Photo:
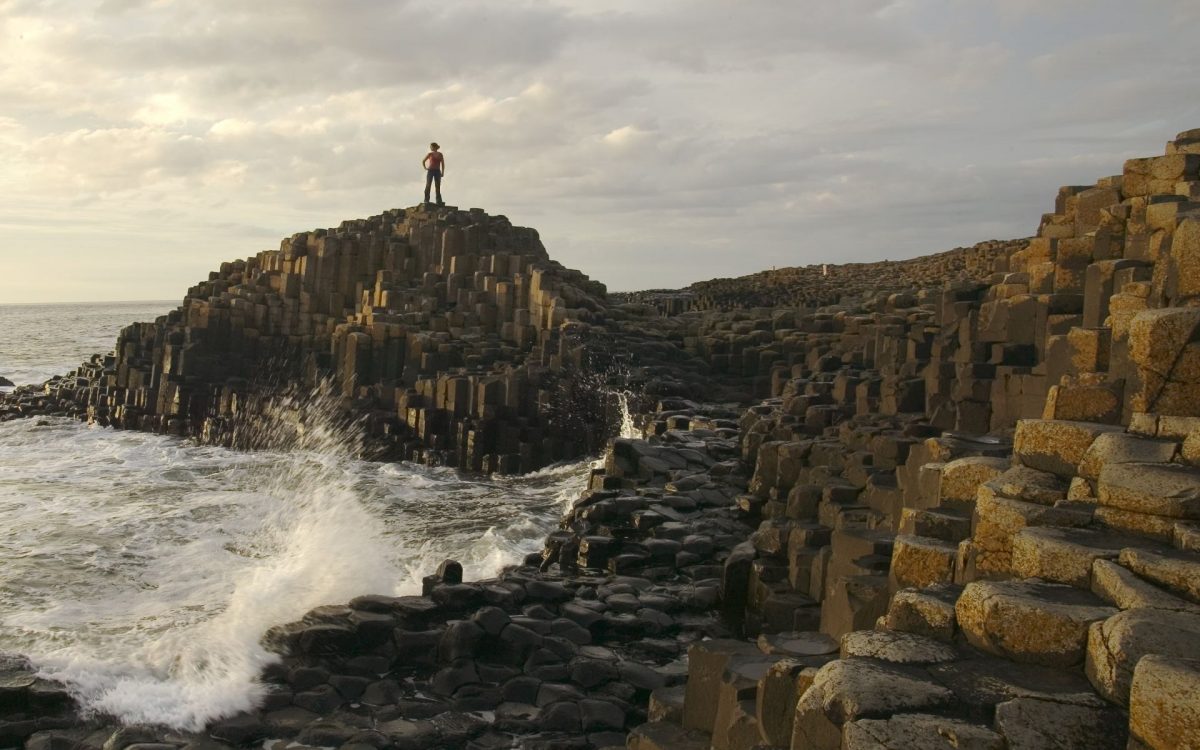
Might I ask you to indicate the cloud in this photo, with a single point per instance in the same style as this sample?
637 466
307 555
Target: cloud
650 143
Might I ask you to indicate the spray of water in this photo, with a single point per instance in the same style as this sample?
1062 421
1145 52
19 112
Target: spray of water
629 428
314 543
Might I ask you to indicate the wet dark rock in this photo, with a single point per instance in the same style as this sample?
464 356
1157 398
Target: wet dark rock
416 648
460 640
409 735
491 619
457 727
327 639
288 722
325 733
240 729
306 678
547 591
126 736
68 739
373 629
381 693
560 717
640 676
367 738
367 665
598 715
349 687
448 680
590 673
460 597
522 690
320 699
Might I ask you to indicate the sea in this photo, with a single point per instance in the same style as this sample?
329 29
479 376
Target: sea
142 570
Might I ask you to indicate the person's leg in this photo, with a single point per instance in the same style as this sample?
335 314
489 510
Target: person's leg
437 181
428 182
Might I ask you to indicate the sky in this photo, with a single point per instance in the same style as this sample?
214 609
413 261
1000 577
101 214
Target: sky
651 143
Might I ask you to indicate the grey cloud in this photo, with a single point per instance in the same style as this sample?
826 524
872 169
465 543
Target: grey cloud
651 143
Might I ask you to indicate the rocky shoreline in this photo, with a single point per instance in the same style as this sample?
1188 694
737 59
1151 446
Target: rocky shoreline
965 513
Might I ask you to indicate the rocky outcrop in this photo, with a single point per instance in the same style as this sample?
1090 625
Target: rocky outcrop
450 334
985 495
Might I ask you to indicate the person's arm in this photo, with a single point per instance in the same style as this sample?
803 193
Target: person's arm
425 162
443 165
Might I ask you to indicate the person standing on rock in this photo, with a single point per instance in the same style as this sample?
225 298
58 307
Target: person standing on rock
435 166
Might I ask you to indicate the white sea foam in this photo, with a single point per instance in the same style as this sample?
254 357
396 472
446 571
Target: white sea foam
142 571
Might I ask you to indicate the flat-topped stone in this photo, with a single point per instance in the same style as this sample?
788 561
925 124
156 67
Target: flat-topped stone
797 644
961 477
1120 587
1036 724
1000 518
1065 555
850 689
1056 446
1124 448
928 611
1031 485
920 561
896 647
1177 570
1029 621
1168 490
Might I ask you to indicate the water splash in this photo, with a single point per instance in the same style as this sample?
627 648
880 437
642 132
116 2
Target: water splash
629 427
314 542
142 571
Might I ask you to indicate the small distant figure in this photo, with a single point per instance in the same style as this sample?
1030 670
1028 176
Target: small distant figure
434 164
824 269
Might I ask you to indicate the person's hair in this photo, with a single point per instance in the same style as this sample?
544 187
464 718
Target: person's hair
434 146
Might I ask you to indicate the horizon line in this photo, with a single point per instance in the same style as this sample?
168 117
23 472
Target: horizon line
93 302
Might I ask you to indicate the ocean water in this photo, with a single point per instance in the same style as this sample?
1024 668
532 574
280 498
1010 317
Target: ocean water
142 570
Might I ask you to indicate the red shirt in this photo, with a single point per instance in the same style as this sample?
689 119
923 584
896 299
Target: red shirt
434 160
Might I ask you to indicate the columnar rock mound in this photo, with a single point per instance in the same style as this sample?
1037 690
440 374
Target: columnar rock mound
443 328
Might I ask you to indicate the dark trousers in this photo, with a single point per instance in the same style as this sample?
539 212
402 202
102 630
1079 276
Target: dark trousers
433 177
